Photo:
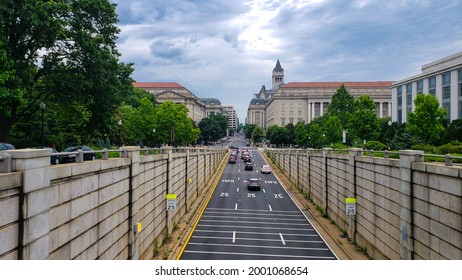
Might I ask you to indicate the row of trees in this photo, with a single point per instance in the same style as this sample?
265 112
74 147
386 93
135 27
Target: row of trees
357 118
63 53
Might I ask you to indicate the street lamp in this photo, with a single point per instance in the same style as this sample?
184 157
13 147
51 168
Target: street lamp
389 134
120 135
42 108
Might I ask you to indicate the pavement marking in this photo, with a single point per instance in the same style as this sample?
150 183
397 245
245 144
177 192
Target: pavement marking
260 239
252 210
234 236
252 222
271 209
282 239
252 218
235 207
238 178
264 255
264 191
256 233
237 189
258 246
271 228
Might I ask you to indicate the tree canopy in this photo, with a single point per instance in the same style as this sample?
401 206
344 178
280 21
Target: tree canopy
426 122
62 53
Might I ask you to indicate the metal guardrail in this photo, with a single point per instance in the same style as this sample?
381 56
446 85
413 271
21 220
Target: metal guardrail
448 159
5 163
5 158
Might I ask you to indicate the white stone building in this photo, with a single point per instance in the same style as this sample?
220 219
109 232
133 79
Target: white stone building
303 101
441 78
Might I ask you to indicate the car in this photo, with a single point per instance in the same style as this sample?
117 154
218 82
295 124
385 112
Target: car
248 166
232 159
54 159
6 146
247 158
253 184
71 158
247 144
265 169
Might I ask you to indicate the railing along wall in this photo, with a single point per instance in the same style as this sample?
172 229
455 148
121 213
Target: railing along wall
112 208
407 208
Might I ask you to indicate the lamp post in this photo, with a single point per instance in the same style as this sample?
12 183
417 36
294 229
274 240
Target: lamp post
42 108
154 137
389 134
120 135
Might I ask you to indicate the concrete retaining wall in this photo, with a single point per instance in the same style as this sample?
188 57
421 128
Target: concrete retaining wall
103 209
406 208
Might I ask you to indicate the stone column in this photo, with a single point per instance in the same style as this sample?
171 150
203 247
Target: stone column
406 221
35 218
133 152
325 154
351 189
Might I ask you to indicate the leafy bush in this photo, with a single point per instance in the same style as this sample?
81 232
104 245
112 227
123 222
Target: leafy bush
428 148
375 145
454 147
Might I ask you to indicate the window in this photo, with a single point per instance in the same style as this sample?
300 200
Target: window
460 93
299 120
283 105
400 103
291 120
299 112
317 109
299 105
283 121
447 94
291 112
408 98
283 112
291 105
432 85
420 87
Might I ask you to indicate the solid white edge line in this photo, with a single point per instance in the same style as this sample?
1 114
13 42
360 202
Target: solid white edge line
315 229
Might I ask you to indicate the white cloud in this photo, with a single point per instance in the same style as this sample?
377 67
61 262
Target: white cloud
227 49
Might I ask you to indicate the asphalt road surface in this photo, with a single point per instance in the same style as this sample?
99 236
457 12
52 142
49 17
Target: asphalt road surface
238 224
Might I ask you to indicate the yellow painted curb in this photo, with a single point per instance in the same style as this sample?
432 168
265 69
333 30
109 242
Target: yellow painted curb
202 211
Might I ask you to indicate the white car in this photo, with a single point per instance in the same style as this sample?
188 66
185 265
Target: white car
265 169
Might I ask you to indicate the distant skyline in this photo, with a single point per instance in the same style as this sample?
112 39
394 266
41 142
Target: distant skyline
228 49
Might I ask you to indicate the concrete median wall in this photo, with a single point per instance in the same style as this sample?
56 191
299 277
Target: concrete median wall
405 209
103 209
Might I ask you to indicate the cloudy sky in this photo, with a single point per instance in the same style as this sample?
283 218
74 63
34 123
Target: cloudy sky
227 49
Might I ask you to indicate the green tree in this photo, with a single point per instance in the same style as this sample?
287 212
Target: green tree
342 105
213 127
62 52
301 134
317 138
332 129
291 136
248 129
426 122
257 135
364 123
277 135
454 131
173 125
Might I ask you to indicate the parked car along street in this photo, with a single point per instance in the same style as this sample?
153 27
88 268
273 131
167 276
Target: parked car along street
6 146
72 158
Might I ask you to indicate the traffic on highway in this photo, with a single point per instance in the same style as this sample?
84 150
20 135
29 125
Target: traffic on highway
251 216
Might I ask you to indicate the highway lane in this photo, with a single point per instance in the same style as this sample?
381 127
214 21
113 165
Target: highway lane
240 224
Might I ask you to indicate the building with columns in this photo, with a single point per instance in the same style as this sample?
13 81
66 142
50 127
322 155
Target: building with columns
303 101
441 78
170 91
256 113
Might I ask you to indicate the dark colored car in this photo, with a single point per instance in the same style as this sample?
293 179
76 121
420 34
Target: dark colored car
54 159
248 166
247 158
232 159
253 184
72 158
6 146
